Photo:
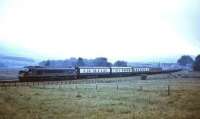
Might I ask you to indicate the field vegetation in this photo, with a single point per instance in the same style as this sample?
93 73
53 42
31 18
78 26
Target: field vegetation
170 97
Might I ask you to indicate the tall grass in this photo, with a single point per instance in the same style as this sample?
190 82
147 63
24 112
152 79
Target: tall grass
128 100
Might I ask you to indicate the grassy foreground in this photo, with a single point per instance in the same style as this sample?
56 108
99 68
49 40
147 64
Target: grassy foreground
126 101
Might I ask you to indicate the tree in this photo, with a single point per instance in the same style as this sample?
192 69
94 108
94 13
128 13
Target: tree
120 63
185 60
109 64
196 64
80 62
47 63
101 61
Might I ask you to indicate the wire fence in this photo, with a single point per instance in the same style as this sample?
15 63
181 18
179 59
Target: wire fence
135 80
118 84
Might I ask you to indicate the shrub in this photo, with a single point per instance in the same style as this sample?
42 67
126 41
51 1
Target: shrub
196 65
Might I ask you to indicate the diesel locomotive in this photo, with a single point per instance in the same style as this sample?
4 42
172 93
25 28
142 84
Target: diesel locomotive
37 73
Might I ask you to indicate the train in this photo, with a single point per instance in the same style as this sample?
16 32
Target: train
38 73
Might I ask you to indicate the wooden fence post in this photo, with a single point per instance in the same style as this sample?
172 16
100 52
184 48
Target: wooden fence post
168 90
44 84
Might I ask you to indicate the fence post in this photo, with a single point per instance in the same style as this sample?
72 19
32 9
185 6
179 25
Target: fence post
149 100
43 84
117 85
168 90
141 88
96 87
59 85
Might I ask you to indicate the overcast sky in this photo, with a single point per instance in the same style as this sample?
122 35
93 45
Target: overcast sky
133 30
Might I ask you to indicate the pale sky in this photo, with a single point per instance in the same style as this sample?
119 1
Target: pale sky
132 30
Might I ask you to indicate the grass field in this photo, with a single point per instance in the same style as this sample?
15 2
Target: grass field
176 98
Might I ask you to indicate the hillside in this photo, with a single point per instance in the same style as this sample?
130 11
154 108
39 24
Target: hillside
15 62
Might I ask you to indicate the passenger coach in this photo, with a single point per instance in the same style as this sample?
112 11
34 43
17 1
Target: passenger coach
121 71
88 72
